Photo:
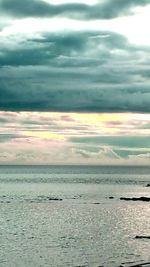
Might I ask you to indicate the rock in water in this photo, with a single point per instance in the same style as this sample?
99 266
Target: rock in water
142 236
146 199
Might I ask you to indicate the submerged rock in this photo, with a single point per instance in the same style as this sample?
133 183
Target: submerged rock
40 199
48 198
146 199
111 197
141 264
54 198
142 236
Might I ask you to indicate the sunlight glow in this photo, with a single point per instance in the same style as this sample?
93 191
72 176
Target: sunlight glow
45 135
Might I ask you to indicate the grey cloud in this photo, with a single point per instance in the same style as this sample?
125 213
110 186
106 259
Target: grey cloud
82 153
64 49
39 52
115 142
102 10
103 152
37 8
78 99
143 155
75 72
145 125
5 137
133 154
3 120
73 50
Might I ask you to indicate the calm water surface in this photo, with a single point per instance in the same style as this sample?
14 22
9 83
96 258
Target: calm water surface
85 228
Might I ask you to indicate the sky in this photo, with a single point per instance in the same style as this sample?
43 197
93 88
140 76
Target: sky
74 82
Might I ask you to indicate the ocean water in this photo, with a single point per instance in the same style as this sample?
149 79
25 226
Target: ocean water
62 216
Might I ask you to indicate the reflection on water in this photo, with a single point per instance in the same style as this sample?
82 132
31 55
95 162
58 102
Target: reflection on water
59 224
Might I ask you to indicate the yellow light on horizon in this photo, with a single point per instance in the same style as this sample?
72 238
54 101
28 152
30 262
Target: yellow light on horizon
45 135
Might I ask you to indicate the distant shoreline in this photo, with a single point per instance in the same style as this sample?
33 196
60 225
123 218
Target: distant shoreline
78 165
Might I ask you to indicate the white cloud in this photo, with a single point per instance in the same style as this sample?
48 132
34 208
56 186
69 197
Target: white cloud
134 27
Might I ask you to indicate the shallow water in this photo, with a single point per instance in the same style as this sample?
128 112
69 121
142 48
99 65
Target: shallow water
85 228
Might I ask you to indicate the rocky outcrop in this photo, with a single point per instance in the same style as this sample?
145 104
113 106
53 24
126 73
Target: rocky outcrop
146 199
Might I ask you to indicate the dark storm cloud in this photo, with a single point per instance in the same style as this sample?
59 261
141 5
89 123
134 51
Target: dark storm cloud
43 51
66 49
92 100
102 10
78 71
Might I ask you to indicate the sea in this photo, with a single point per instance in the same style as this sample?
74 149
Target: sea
72 216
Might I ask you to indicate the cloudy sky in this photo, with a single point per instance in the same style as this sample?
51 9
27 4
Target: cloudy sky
74 82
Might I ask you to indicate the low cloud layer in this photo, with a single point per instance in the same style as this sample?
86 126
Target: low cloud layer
69 138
